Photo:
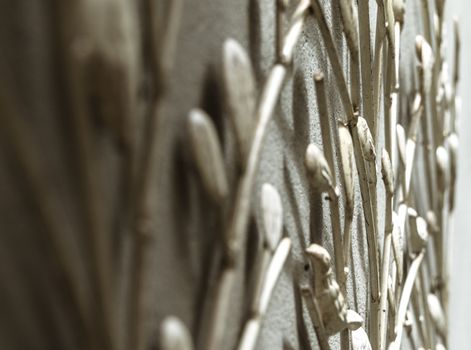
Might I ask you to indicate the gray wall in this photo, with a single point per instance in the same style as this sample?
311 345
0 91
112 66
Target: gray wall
294 126
205 25
179 278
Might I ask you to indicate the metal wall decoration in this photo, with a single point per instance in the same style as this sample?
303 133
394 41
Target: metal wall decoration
402 289
103 72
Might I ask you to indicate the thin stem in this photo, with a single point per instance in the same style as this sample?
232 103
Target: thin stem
330 156
316 318
223 298
385 272
237 226
350 28
252 327
426 18
418 311
366 64
389 120
378 61
169 37
405 298
273 273
163 47
397 53
423 296
266 257
428 167
334 60
280 8
384 290
268 101
371 234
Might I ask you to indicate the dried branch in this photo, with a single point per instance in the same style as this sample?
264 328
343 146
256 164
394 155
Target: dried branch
334 60
388 224
316 318
366 71
237 225
252 327
334 205
365 162
404 302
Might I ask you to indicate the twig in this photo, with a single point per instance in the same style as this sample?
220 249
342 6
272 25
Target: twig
423 297
334 60
163 46
350 28
384 288
280 8
388 180
252 327
366 64
365 162
330 156
397 248
390 23
426 18
316 318
378 62
264 112
404 302
273 273
219 310
170 36
237 225
360 162
442 165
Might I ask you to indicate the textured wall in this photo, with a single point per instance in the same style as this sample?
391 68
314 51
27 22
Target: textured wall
181 256
295 125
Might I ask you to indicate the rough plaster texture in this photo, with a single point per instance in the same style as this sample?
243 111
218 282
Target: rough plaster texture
296 124
179 275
